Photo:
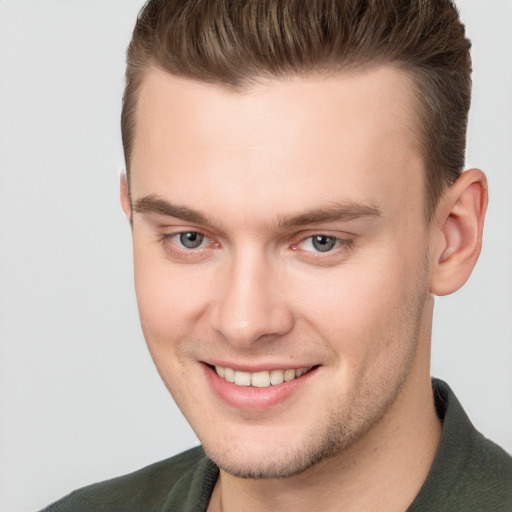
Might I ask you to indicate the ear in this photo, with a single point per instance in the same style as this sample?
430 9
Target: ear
124 194
459 225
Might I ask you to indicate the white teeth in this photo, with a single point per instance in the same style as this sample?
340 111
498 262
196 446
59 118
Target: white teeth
276 377
242 378
229 374
289 375
259 379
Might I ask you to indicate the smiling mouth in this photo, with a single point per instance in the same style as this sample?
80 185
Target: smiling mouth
261 379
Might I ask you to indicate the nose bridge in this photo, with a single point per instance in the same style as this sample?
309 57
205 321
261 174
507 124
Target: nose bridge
249 305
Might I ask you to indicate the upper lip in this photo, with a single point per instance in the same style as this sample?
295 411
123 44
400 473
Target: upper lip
260 367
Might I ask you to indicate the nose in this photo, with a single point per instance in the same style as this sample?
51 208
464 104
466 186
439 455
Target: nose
251 304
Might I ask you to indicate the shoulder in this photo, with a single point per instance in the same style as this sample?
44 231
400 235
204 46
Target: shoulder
488 476
485 463
469 472
146 489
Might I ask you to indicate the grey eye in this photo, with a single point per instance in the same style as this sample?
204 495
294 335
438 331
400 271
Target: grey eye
191 240
323 243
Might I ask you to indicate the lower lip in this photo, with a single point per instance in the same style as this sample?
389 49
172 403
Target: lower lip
250 398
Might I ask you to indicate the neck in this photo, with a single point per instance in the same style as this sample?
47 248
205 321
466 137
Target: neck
383 471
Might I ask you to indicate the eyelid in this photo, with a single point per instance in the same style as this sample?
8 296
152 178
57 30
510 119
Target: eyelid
174 233
344 243
168 230
305 235
174 250
338 240
176 238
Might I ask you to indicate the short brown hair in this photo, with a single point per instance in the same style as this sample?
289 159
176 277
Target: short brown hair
237 42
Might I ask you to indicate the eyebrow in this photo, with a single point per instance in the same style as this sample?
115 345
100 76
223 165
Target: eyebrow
333 212
153 204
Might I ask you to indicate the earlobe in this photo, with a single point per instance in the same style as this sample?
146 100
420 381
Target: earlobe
459 226
124 194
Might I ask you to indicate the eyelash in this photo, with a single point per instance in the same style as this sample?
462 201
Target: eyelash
166 241
340 245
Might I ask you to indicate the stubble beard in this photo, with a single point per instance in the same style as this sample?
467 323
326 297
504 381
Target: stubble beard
341 431
334 439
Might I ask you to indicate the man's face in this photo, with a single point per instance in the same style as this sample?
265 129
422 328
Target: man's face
277 230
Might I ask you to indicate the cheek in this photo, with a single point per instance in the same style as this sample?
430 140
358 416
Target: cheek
170 297
366 305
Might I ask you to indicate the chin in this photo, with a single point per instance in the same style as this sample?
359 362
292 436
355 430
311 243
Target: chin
258 467
253 450
273 459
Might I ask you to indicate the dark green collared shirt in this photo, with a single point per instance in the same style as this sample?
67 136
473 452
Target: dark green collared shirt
469 474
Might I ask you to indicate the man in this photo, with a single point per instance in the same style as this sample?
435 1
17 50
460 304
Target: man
296 198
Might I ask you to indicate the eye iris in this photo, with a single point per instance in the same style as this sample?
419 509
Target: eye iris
323 243
191 240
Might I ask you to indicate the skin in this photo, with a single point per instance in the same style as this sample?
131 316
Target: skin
252 166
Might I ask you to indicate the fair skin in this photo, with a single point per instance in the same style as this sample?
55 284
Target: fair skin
283 228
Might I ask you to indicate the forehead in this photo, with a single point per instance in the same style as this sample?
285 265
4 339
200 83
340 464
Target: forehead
348 136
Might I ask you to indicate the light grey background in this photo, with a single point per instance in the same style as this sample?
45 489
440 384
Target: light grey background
79 398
